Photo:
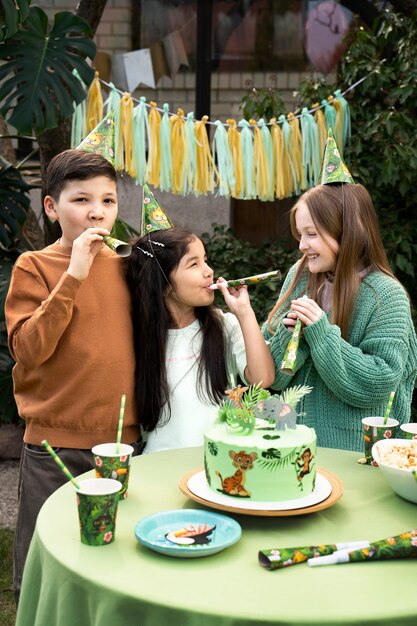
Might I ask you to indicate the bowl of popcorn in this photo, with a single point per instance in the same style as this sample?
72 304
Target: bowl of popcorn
397 459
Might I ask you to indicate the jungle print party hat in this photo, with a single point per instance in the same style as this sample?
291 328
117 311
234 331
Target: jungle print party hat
101 139
334 169
153 217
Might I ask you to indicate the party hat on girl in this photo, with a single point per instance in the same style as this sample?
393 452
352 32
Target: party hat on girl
334 169
153 217
101 139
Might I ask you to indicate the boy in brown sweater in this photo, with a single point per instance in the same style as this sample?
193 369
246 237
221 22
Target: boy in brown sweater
70 333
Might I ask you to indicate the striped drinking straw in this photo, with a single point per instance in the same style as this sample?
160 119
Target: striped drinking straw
60 463
120 427
387 412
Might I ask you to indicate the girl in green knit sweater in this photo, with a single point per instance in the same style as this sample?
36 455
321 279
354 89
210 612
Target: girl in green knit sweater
358 342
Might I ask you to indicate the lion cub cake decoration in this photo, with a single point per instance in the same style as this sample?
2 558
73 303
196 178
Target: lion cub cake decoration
256 449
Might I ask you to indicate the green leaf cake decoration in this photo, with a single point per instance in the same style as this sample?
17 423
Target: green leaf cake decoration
250 407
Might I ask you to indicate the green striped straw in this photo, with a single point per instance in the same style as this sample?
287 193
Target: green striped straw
60 464
387 412
120 427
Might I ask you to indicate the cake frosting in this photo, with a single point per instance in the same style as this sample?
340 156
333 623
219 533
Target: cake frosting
263 462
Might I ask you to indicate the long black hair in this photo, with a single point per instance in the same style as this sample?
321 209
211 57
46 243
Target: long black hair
148 270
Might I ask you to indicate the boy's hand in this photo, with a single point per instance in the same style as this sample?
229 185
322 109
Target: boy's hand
236 298
84 249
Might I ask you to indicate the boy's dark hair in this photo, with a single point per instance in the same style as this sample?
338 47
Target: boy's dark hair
75 165
147 274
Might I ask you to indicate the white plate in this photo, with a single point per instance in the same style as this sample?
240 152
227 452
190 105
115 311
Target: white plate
197 484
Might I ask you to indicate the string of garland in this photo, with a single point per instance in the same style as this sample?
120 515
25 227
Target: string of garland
255 159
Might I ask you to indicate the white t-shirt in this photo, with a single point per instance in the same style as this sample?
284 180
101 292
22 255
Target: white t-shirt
191 415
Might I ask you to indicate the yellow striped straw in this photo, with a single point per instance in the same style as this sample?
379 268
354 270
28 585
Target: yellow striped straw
120 427
60 463
387 412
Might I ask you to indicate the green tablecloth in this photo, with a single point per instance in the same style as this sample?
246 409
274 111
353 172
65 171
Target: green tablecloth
67 583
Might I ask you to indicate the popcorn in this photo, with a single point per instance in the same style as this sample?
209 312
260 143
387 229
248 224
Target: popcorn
402 457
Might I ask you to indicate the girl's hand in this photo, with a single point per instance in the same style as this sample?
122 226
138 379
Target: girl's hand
236 298
289 321
307 310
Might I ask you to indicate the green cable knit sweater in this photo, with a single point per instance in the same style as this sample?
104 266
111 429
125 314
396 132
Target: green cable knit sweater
353 379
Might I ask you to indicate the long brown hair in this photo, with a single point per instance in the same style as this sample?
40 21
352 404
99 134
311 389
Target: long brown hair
148 271
346 213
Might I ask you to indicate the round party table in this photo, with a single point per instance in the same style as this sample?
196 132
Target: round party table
67 583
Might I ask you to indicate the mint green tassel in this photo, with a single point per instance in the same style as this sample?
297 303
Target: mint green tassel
329 115
267 142
165 174
140 128
346 122
221 151
310 149
246 140
78 124
113 104
286 133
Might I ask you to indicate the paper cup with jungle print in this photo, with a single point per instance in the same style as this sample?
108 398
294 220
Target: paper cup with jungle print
409 431
111 462
375 430
97 502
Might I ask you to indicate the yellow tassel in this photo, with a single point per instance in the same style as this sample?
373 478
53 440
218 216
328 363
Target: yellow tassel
94 113
260 160
283 180
204 180
321 126
296 150
126 119
154 156
233 138
181 174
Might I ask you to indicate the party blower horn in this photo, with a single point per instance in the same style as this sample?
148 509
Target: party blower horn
121 248
249 280
289 361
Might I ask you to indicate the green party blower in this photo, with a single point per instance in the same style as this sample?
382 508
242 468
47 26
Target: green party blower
119 247
402 546
249 280
120 427
60 463
279 558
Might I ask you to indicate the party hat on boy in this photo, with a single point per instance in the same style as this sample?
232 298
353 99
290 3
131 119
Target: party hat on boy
333 169
153 217
101 139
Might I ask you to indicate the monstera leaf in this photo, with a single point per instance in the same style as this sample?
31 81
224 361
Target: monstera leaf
38 87
13 12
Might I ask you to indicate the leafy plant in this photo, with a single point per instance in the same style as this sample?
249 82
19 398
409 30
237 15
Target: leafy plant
14 12
38 87
266 103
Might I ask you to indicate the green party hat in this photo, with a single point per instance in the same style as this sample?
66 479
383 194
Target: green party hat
334 169
153 217
101 139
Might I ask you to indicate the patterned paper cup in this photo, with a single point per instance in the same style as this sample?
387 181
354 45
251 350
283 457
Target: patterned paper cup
97 502
374 430
112 464
409 431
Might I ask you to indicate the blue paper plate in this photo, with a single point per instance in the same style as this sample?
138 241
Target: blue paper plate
187 533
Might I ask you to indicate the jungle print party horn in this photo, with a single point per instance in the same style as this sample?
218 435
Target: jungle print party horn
119 247
250 280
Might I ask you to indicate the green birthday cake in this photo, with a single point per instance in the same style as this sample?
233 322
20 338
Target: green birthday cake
256 450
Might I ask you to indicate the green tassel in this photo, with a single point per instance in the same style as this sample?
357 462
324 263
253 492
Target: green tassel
221 153
246 139
192 151
78 124
286 132
140 139
329 114
310 148
113 104
346 122
165 175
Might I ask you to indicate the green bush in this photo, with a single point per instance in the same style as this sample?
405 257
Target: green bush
233 258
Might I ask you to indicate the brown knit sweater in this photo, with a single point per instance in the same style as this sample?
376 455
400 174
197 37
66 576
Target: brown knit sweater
73 346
